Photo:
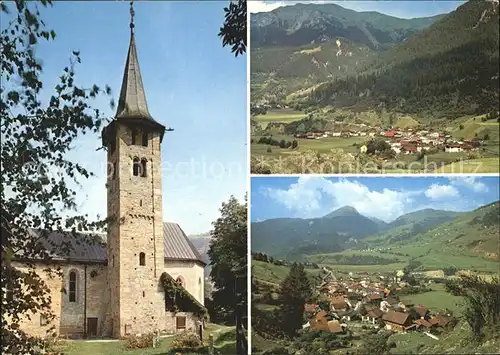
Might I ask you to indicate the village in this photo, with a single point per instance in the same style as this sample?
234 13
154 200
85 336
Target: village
404 141
346 305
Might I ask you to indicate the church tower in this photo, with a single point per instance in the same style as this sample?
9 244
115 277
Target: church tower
135 242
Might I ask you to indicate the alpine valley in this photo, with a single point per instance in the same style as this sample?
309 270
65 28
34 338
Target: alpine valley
344 237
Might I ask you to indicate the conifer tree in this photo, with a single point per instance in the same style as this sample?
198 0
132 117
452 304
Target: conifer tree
295 291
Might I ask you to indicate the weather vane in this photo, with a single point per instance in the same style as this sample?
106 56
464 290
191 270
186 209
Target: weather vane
132 13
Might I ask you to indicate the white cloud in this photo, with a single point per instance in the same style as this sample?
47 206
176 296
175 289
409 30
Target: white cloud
438 192
314 197
302 197
469 182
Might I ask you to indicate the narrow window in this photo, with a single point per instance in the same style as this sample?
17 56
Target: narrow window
143 294
145 139
72 286
134 136
136 167
142 259
180 322
43 320
140 203
144 164
114 170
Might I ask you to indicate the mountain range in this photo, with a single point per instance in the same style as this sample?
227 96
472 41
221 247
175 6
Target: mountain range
303 24
346 228
320 55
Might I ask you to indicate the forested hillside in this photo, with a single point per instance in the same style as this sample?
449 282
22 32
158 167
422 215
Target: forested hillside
450 67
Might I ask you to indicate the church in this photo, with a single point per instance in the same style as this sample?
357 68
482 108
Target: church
144 275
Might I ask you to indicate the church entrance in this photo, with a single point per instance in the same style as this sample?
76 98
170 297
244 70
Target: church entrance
91 327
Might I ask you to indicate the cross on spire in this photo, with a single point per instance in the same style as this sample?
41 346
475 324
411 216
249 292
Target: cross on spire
132 14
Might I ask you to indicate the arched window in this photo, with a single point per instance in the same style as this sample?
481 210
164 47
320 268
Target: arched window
180 280
114 170
72 286
145 139
142 259
144 164
134 136
136 166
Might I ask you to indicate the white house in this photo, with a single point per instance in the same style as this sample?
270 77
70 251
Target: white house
453 148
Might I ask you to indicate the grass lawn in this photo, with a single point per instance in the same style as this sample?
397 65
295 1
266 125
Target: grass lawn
224 337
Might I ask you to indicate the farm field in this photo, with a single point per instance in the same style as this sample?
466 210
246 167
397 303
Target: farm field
437 299
366 268
430 256
280 116
323 145
436 163
469 127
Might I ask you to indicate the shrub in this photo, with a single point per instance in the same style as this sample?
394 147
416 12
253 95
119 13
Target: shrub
186 341
139 341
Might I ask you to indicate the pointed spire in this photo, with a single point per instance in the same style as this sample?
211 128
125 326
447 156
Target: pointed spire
132 102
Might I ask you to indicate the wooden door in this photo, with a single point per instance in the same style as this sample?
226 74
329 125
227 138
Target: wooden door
91 327
180 322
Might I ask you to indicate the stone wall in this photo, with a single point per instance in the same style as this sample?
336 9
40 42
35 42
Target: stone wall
69 316
170 325
192 274
137 232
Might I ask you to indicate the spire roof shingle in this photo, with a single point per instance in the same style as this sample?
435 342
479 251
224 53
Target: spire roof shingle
132 102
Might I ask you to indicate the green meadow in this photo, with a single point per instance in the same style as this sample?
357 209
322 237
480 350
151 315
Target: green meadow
279 116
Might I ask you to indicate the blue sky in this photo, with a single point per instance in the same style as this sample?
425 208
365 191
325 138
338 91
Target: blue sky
192 85
402 9
385 198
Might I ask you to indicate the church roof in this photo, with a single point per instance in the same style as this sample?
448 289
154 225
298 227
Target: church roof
177 245
132 102
91 248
